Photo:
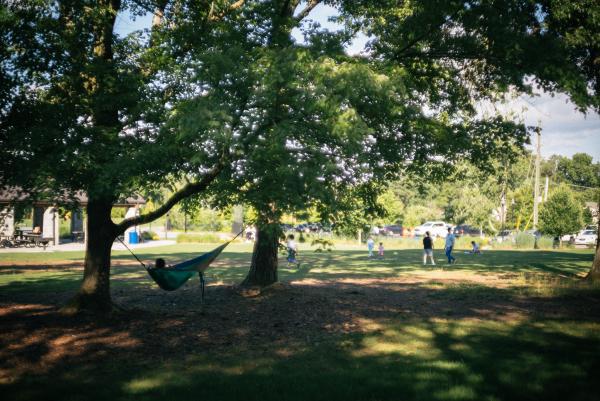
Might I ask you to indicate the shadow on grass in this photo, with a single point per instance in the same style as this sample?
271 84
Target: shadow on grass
416 359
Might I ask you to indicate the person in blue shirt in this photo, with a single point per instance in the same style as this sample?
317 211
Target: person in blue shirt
370 246
450 240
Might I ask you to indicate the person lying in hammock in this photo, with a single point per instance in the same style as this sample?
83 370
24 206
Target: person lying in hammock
160 264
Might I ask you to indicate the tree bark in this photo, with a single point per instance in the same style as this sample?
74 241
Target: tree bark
263 268
594 273
94 293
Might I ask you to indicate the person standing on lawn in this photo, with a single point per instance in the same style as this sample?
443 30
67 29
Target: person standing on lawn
450 240
292 249
428 249
370 246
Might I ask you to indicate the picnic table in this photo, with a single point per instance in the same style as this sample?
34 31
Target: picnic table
23 238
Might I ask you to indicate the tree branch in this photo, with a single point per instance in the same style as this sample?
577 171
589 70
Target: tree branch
238 4
159 13
431 30
188 190
309 7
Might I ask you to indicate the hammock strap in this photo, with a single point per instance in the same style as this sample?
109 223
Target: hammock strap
130 251
202 283
201 277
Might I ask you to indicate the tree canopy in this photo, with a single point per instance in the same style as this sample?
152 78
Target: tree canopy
561 214
218 98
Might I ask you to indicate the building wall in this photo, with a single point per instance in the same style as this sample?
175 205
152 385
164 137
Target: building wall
7 221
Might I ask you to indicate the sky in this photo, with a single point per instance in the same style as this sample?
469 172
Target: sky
565 131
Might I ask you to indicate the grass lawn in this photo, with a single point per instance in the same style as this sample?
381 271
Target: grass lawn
505 325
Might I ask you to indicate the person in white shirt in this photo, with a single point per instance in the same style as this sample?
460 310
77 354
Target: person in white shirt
450 239
370 246
292 250
475 250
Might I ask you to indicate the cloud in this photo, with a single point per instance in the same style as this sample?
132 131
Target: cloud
565 130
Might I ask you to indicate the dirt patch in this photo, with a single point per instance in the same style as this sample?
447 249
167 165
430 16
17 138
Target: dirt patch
34 337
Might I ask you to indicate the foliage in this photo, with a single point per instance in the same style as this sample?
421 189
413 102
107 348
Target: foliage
201 238
524 240
322 244
587 216
418 214
469 206
150 236
220 94
394 208
520 209
561 214
580 170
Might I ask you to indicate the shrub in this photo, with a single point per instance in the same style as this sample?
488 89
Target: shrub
524 241
322 245
546 242
201 238
150 236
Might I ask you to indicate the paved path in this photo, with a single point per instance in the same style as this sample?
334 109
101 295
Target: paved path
79 246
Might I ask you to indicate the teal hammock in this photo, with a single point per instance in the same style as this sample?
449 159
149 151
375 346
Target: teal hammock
172 277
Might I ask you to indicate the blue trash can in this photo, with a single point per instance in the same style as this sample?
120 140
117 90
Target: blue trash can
133 237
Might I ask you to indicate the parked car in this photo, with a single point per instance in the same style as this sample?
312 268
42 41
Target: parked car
465 229
302 228
308 228
315 227
533 233
376 230
505 235
393 230
568 238
286 227
587 237
435 228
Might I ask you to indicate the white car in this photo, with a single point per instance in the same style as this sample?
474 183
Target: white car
435 228
586 237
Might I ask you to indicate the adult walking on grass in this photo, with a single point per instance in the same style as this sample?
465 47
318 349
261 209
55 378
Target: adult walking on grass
450 239
428 249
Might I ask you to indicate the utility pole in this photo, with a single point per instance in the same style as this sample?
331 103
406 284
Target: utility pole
546 190
536 189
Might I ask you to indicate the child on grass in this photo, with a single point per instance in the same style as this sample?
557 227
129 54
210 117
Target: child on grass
370 246
292 249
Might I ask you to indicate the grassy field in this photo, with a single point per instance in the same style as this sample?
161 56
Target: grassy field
505 325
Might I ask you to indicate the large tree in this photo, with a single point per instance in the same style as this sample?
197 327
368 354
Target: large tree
84 110
219 94
335 127
561 214
579 170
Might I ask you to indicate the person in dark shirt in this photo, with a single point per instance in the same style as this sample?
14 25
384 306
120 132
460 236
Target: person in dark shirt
428 249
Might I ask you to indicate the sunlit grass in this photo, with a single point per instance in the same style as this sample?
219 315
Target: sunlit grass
541 273
400 356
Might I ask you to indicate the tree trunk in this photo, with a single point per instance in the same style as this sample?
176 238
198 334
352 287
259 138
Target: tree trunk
94 293
594 273
263 269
